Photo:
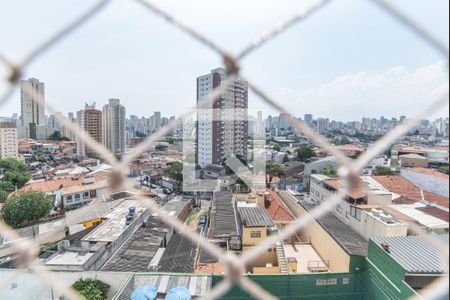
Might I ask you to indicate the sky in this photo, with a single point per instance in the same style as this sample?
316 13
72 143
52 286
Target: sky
347 61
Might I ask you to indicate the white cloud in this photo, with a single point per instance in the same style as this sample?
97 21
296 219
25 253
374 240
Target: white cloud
390 93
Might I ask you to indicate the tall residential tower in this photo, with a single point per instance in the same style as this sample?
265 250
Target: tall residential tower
89 119
32 91
222 127
114 127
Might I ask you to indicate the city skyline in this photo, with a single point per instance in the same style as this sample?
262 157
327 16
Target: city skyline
379 86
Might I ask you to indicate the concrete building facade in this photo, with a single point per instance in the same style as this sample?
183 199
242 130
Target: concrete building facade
89 119
8 140
32 91
222 128
114 126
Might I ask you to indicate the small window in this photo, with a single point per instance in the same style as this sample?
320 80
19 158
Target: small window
255 234
86 195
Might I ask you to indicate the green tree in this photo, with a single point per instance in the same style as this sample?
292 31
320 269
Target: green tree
305 152
13 164
175 172
18 179
382 171
15 171
3 196
343 141
92 289
444 170
57 136
7 187
273 170
170 140
26 208
161 147
329 171
276 147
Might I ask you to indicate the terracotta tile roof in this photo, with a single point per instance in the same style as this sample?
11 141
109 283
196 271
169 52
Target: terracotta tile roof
337 184
435 212
277 210
351 148
59 184
429 172
403 187
214 268
437 199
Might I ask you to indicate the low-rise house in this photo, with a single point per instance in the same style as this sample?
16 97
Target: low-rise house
256 227
71 191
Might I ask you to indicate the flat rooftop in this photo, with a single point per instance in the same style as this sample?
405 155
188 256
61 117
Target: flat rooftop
175 206
115 225
306 256
71 258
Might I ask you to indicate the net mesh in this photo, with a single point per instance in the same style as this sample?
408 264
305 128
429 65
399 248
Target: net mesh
349 170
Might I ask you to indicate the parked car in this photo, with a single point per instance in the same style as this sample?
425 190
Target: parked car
167 191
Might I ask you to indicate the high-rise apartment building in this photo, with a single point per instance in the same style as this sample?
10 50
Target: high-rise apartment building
8 140
222 128
260 129
308 119
32 91
90 119
114 127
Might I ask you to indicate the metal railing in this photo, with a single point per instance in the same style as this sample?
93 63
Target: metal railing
349 170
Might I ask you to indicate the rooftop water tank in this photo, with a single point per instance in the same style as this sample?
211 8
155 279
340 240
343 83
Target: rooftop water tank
145 292
179 293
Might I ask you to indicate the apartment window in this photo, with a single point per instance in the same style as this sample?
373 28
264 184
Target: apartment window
355 213
255 234
77 197
86 195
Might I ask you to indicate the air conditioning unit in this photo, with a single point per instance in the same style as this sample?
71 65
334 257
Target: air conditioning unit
386 218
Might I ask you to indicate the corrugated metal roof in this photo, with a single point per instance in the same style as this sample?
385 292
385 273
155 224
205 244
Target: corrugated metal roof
255 217
198 285
223 218
417 255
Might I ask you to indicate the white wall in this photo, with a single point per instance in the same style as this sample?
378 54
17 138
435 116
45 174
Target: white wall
427 182
28 286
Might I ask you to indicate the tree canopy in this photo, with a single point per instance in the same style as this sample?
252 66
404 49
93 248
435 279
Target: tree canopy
175 172
273 170
25 208
161 147
15 172
92 289
276 147
382 171
444 170
305 152
329 171
57 136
